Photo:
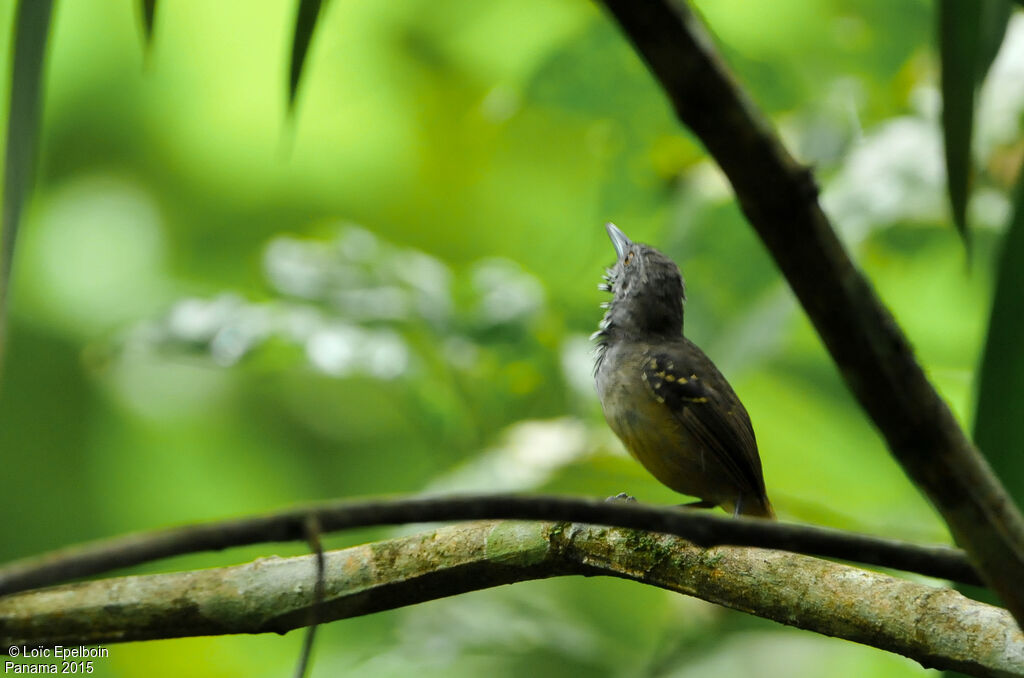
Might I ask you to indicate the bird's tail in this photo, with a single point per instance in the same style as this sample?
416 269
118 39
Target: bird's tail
757 506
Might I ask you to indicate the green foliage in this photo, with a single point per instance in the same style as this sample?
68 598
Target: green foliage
32 25
148 9
305 21
1001 375
970 34
205 326
959 33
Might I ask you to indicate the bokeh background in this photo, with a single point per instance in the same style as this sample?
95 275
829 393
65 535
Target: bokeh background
218 309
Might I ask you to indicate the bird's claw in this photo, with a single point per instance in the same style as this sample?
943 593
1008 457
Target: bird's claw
702 504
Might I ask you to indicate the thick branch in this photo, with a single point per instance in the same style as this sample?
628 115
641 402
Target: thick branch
697 526
779 198
937 627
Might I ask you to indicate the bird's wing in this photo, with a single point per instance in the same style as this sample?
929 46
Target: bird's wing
714 416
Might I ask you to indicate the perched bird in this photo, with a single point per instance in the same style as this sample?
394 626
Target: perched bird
665 399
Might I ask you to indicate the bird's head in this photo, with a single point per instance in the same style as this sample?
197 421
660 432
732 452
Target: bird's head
647 288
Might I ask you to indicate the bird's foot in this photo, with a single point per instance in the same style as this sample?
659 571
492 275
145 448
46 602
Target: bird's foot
703 503
622 496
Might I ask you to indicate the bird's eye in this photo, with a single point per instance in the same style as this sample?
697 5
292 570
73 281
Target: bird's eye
629 259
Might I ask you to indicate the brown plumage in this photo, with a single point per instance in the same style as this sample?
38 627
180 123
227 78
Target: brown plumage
663 397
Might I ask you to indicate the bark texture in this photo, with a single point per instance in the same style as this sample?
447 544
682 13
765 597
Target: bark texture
938 627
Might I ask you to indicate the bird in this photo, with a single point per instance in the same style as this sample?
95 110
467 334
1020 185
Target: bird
663 397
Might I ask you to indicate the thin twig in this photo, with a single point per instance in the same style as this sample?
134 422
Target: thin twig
315 612
289 525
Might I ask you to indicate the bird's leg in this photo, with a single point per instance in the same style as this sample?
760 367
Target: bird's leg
739 505
622 496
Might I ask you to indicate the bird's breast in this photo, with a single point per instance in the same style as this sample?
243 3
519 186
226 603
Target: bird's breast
646 427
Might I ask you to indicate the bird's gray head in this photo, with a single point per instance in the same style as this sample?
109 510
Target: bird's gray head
647 289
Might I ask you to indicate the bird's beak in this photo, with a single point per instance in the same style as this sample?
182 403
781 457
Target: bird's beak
618 238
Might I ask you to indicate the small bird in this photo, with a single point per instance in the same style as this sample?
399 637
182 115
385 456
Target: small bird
665 399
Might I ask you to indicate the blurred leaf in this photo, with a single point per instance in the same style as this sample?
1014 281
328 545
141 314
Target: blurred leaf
148 19
970 33
995 15
1000 383
31 26
305 23
997 428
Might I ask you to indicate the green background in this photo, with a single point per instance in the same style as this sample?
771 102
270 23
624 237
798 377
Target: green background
219 310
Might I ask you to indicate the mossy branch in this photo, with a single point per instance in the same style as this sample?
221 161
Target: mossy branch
937 627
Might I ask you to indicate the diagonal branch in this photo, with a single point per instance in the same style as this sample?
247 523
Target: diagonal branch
937 627
779 199
702 528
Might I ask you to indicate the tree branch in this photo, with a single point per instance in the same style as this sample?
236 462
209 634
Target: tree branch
779 198
697 526
937 627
